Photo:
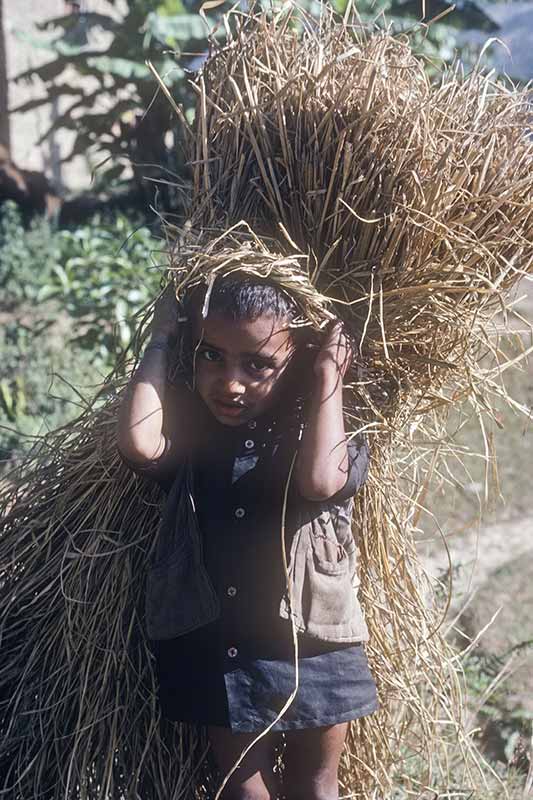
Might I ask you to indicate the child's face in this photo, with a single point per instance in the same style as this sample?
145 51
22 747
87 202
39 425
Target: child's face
239 365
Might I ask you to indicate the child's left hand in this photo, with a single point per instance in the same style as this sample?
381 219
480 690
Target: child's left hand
335 354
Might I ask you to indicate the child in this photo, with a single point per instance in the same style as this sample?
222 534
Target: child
218 610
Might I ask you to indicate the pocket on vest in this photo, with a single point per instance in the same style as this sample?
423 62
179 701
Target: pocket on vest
336 562
330 597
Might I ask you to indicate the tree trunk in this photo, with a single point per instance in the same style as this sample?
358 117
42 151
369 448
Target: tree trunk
4 117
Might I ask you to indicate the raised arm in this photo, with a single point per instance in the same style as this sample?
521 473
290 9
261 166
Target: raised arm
141 416
323 464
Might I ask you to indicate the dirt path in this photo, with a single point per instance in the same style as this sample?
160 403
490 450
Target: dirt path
479 552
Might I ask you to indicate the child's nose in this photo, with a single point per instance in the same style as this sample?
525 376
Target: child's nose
235 386
234 382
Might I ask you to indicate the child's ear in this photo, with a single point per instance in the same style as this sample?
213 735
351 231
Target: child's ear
301 373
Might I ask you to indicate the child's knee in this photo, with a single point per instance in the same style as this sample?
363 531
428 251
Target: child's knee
259 786
247 793
315 793
319 787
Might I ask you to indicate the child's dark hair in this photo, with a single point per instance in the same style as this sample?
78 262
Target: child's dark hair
243 296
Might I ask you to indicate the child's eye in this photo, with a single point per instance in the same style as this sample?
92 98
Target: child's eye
259 365
209 355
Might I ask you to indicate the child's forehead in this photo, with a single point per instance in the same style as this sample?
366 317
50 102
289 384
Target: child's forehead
266 333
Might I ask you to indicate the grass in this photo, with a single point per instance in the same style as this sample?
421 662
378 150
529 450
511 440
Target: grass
460 506
460 502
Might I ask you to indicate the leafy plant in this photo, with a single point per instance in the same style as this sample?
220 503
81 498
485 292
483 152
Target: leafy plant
106 272
27 256
67 310
98 274
505 728
40 381
114 86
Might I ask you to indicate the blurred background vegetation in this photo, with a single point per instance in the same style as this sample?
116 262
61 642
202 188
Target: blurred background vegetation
75 267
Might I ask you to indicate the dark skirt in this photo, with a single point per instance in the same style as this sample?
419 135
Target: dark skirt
197 684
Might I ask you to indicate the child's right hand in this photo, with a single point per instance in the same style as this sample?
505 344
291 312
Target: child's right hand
165 319
335 354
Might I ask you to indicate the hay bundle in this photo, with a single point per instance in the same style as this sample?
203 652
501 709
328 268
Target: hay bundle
329 163
408 204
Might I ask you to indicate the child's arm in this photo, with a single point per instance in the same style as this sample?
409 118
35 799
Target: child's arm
141 418
323 462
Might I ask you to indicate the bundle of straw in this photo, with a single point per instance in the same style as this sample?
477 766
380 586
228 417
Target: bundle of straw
329 162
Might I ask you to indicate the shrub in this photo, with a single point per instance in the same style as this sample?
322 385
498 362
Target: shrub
69 297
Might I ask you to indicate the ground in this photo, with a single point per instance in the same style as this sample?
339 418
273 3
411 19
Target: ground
491 555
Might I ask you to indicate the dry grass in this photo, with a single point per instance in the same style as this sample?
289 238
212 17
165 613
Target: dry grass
329 163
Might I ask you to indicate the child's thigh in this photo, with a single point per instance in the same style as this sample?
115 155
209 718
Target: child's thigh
255 778
311 760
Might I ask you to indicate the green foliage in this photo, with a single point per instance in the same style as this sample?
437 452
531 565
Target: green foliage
435 43
27 257
504 726
40 380
170 7
67 311
109 58
105 273
99 274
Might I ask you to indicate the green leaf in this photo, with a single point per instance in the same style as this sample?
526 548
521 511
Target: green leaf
20 395
7 400
176 29
46 293
63 277
122 67
169 8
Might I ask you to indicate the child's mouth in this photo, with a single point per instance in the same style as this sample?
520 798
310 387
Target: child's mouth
225 408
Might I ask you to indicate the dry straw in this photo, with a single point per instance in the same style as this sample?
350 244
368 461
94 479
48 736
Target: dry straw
327 160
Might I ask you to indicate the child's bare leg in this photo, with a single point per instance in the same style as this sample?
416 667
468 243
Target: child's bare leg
312 763
254 779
